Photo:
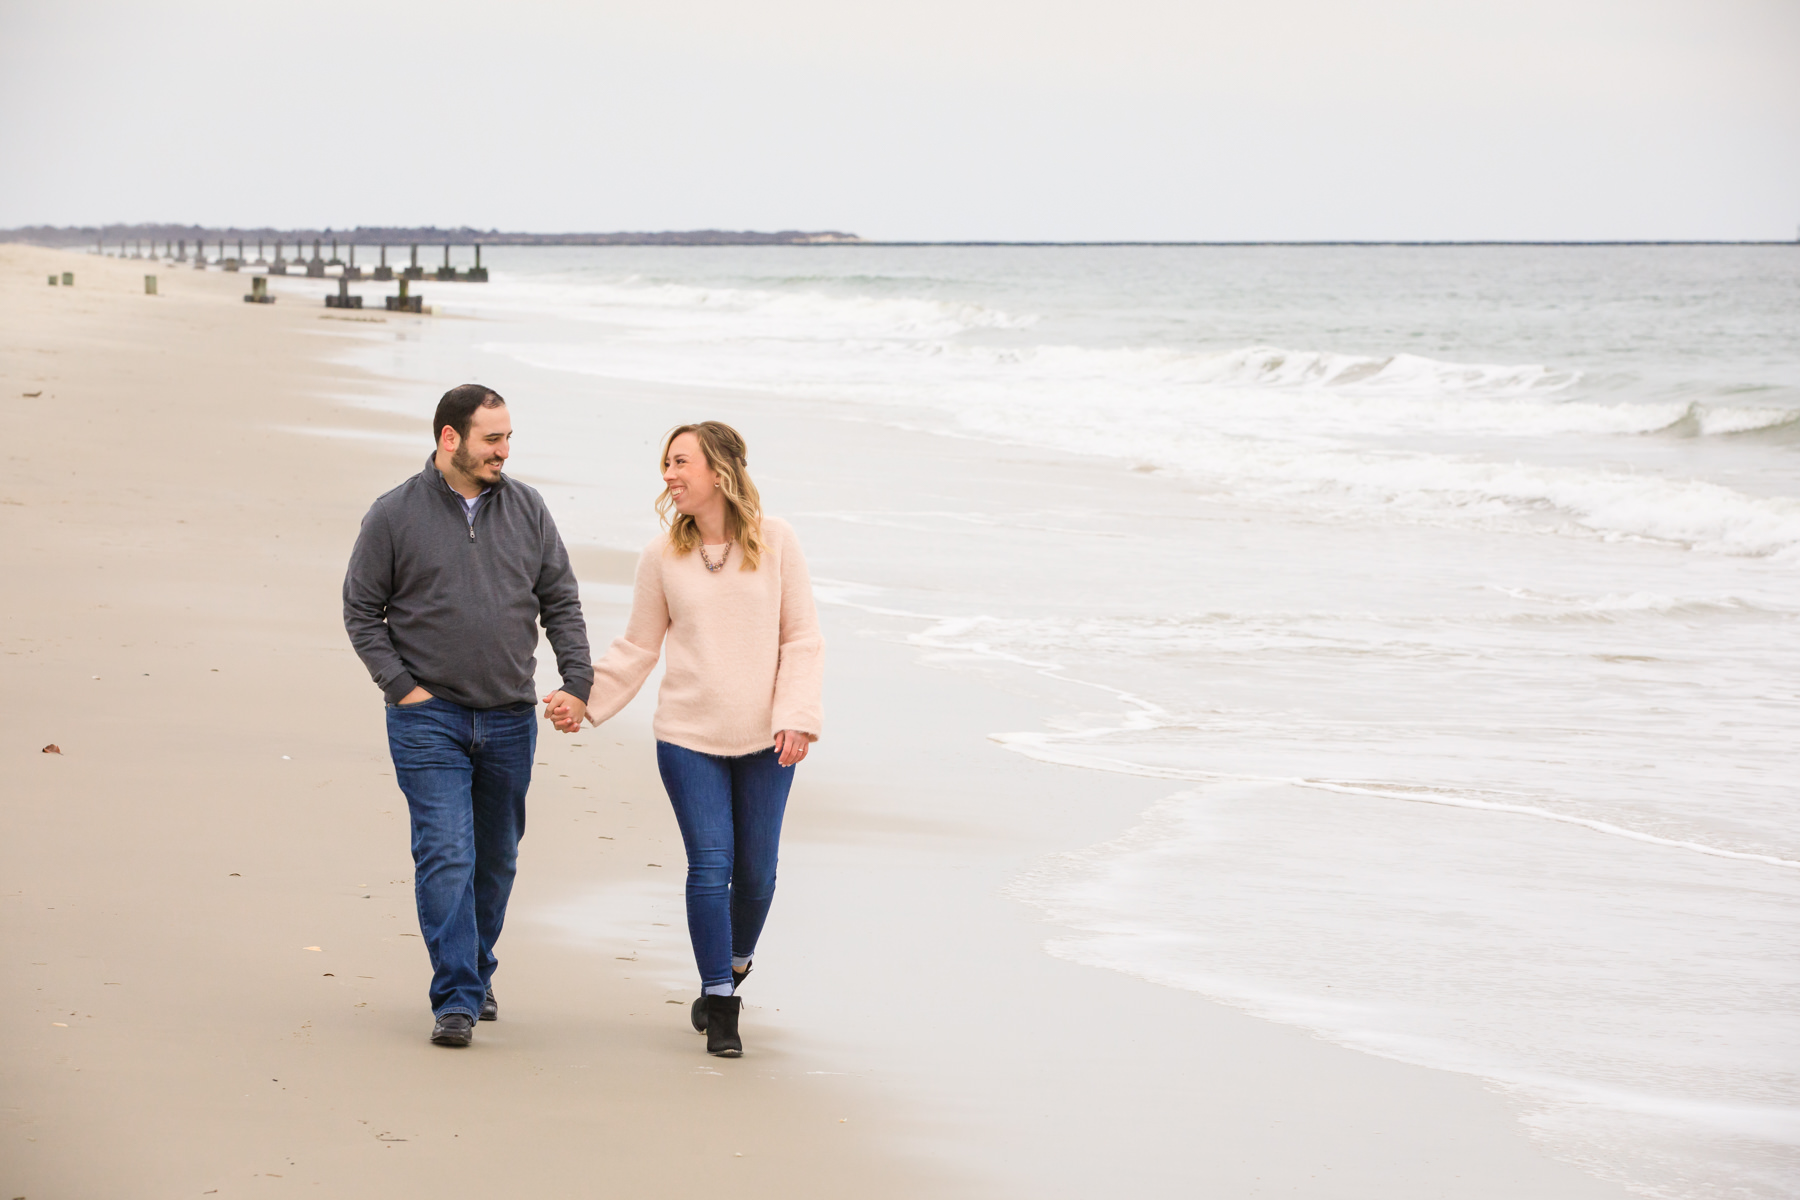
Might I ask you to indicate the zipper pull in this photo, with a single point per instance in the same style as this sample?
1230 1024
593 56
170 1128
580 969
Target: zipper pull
471 531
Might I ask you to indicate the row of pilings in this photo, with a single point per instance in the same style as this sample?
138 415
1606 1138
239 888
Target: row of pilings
175 251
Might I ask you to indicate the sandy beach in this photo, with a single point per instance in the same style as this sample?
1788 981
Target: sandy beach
214 979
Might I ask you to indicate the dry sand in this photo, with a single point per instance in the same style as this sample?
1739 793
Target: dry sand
213 979
223 801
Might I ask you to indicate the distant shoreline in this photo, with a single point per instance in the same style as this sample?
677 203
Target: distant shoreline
79 236
104 236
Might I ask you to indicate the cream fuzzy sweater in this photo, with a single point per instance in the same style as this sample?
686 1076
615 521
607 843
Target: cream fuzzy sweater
745 659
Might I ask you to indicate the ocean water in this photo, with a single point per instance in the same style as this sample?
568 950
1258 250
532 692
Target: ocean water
1455 592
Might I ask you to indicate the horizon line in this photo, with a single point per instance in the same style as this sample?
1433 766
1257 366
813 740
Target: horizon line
1358 242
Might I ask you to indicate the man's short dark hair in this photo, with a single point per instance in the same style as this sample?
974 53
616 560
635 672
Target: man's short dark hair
458 407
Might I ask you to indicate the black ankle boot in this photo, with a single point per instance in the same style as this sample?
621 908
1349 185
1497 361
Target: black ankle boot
721 1013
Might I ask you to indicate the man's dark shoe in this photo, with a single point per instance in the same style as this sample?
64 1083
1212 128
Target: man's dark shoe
722 1025
737 976
698 1014
490 1007
453 1029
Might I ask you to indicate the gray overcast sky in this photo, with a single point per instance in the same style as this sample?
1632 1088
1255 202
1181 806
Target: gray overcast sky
1059 119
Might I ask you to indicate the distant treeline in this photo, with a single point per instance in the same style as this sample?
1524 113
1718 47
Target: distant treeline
391 235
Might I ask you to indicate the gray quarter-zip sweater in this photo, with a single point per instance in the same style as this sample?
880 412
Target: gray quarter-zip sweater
448 600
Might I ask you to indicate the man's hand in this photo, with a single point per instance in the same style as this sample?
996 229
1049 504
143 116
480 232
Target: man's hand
564 711
792 746
417 696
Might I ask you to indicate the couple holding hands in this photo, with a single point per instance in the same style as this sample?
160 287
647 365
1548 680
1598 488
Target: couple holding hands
450 577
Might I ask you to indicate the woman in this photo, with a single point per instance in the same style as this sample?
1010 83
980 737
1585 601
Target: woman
726 590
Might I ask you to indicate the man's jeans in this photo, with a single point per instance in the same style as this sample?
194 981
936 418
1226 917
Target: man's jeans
729 810
464 772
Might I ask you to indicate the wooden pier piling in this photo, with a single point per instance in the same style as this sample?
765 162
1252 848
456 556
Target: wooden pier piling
259 291
343 299
149 285
384 272
404 302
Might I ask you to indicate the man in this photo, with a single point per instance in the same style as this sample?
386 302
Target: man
449 578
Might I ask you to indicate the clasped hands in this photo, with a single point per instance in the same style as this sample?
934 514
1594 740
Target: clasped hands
564 711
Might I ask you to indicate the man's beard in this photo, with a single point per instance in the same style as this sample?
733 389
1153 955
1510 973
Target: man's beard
469 464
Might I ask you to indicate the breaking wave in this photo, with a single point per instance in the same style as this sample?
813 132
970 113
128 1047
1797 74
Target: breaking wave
1776 425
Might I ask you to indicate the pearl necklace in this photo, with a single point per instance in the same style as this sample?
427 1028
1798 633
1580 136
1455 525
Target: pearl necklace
712 567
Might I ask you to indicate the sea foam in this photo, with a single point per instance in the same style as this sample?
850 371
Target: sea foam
1400 437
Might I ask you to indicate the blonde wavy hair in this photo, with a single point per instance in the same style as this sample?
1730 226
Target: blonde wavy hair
723 448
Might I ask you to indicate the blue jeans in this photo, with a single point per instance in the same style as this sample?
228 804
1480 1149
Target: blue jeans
729 810
464 772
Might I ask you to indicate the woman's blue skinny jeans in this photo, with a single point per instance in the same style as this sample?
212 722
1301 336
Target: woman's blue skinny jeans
729 810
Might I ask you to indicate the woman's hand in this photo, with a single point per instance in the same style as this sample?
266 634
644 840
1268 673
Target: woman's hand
792 746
